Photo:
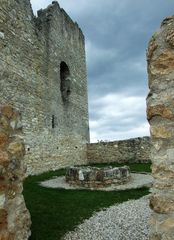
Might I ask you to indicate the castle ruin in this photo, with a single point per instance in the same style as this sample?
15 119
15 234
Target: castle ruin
43 75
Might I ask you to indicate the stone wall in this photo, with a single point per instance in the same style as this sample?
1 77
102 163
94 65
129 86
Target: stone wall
43 75
14 217
160 113
133 150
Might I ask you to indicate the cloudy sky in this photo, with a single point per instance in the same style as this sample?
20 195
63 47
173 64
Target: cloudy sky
117 33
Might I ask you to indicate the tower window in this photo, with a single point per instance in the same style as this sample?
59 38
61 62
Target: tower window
53 121
65 83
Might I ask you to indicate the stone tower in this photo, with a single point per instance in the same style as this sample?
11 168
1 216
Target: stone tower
43 75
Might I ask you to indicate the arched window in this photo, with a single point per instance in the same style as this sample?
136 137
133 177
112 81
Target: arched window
65 83
53 121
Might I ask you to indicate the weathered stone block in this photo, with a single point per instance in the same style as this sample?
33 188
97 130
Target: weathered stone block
162 203
159 110
164 64
7 236
96 177
170 37
162 227
152 46
16 149
161 184
4 158
3 139
160 132
159 171
4 123
3 219
7 111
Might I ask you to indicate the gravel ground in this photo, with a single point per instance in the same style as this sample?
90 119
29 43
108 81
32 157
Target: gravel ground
126 221
137 181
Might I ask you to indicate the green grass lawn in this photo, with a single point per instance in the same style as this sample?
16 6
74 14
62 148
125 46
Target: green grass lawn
57 211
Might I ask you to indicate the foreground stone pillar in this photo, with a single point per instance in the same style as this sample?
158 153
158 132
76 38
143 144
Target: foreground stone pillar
14 217
160 113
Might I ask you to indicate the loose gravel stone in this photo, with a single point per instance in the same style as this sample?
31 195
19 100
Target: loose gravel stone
126 221
137 181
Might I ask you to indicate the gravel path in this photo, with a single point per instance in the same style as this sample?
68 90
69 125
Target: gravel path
126 221
137 181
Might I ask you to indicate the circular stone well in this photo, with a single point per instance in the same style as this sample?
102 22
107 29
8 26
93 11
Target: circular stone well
94 177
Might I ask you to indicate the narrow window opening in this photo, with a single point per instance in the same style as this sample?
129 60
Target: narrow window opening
53 121
65 83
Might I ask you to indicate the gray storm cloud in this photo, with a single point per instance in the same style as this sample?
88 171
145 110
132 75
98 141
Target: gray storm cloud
117 33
